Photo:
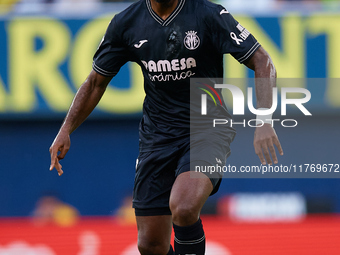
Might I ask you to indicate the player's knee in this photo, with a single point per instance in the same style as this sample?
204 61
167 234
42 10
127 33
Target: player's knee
184 214
152 248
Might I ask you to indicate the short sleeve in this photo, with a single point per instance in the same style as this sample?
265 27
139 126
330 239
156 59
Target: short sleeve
231 37
112 53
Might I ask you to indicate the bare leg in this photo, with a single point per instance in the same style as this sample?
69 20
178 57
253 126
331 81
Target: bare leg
187 198
154 233
188 195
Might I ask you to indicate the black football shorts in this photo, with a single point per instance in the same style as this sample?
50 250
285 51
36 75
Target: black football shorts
157 170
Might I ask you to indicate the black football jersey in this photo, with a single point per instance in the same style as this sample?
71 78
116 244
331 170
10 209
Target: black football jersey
190 43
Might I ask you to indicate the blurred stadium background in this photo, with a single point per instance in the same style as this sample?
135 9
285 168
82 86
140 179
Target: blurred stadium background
46 49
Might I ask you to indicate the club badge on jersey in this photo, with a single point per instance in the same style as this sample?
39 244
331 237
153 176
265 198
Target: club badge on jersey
191 40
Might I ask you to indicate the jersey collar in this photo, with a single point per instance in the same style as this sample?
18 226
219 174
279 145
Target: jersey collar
168 20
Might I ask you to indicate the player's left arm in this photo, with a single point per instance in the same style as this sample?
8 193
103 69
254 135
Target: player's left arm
265 79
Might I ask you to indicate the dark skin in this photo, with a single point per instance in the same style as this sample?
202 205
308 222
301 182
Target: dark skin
188 194
86 99
265 137
164 7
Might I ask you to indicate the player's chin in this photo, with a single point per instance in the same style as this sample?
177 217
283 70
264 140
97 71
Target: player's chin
162 1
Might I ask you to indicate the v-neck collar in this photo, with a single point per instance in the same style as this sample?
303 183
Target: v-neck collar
168 20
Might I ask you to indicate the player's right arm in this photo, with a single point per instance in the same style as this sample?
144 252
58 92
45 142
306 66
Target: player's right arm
110 56
85 100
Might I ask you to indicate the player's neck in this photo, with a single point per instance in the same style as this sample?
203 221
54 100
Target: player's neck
163 8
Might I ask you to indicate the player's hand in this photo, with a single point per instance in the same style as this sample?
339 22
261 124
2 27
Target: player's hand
264 140
60 144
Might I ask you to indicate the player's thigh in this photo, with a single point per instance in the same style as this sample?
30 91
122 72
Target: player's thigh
188 195
192 188
154 231
155 175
